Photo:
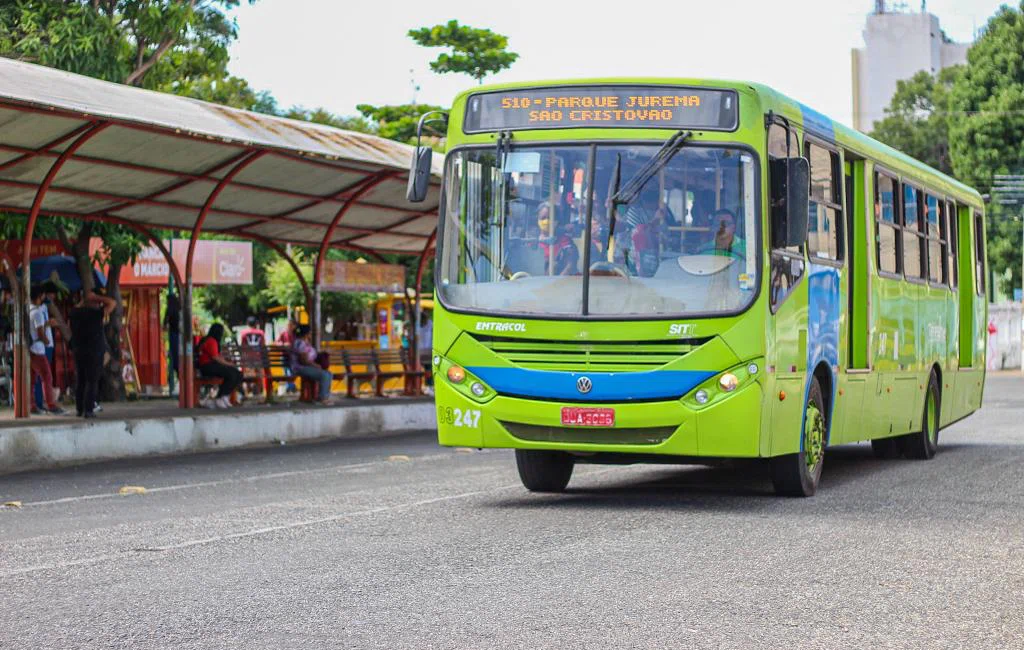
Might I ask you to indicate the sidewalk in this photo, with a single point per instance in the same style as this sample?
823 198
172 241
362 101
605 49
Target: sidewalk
159 427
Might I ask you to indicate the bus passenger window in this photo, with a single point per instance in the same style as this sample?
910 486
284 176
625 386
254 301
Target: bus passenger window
913 243
825 211
954 244
979 253
888 238
935 210
787 264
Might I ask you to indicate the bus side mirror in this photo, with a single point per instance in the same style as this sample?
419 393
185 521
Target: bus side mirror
790 195
419 175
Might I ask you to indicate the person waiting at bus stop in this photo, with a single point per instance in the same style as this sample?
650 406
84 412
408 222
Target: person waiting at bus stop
41 335
89 346
212 364
304 364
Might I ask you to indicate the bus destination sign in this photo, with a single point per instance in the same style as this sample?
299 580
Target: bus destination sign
602 106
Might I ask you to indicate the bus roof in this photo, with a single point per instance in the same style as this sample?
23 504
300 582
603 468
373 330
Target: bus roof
801 114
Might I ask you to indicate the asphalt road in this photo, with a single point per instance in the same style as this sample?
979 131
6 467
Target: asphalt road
338 546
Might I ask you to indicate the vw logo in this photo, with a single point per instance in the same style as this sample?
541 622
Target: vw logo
583 385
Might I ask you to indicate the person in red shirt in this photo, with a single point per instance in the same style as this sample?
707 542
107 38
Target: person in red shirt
212 364
252 335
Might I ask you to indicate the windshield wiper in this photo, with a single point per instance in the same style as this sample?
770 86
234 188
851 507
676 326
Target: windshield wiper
629 192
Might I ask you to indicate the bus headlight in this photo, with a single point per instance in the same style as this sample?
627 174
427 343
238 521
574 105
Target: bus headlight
721 386
728 382
478 389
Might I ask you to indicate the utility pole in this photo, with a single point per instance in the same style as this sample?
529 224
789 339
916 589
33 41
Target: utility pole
1008 189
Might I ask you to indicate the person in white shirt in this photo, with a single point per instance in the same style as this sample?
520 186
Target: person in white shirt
41 337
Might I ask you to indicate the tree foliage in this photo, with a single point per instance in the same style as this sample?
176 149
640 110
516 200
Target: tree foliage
987 129
917 118
284 288
396 122
476 52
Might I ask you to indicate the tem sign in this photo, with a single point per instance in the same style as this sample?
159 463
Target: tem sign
603 106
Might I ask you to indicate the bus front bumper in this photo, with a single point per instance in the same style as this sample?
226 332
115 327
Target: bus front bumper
729 428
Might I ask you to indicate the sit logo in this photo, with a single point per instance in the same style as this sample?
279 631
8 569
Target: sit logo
681 329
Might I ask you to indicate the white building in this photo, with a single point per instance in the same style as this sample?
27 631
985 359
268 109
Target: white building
897 44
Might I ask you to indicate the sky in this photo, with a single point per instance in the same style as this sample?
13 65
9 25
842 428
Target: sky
340 53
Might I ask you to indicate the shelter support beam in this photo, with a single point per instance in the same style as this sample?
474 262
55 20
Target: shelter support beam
280 250
22 374
315 319
188 367
415 342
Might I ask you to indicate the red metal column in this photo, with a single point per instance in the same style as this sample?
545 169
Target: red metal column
370 183
22 374
176 274
416 312
187 367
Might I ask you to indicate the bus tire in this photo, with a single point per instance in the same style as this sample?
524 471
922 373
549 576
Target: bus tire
923 444
887 448
544 471
797 475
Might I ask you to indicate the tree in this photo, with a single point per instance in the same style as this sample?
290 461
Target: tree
176 46
987 127
396 122
283 288
917 118
476 52
325 117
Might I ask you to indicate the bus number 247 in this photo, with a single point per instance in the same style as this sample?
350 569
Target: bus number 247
460 418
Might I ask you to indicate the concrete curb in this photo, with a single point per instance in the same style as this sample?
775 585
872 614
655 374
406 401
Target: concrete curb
42 447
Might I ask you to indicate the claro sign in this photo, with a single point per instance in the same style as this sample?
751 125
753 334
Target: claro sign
215 262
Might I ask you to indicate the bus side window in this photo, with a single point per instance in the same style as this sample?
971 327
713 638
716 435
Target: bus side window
979 253
888 239
954 243
824 228
913 242
787 264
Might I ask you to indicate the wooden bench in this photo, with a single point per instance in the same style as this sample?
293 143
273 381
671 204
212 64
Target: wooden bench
376 367
248 361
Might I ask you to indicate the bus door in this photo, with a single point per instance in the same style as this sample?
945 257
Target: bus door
854 381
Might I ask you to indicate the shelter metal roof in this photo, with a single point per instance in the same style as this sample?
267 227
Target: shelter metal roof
155 159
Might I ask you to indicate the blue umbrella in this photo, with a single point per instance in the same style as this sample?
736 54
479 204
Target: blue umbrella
67 272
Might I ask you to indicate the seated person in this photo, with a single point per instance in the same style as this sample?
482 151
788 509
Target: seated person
305 364
212 364
723 239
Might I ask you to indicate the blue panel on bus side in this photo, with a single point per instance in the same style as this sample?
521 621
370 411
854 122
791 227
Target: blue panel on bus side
818 123
823 322
605 386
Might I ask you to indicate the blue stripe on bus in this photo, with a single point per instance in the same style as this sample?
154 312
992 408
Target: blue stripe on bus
607 386
823 326
817 123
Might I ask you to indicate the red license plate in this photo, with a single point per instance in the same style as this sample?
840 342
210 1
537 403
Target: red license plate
587 417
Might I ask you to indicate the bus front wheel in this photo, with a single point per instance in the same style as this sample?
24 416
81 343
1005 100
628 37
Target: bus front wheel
544 471
797 475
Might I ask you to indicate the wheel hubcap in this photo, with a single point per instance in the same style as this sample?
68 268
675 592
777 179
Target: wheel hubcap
814 438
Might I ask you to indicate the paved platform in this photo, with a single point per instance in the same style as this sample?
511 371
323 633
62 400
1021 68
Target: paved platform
159 427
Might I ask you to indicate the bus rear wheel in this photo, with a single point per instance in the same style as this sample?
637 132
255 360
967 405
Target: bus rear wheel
797 475
923 444
544 471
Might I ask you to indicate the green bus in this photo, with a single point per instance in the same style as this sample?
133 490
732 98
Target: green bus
687 271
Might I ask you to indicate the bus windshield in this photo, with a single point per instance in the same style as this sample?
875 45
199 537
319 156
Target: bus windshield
520 237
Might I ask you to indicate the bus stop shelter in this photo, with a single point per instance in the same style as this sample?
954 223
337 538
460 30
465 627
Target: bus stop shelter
82 148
